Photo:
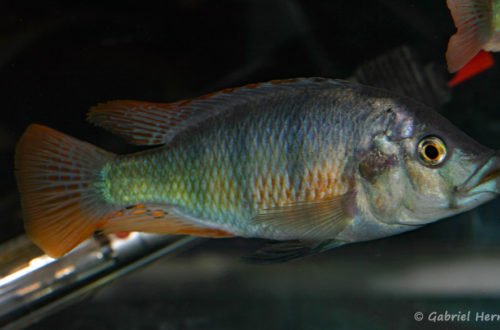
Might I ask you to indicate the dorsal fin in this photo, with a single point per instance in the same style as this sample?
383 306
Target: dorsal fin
400 71
148 123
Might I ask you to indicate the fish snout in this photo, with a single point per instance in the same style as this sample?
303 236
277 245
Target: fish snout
482 185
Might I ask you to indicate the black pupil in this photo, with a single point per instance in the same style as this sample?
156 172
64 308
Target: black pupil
431 152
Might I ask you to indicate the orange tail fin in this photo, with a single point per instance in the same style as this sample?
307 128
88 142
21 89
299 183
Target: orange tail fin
57 176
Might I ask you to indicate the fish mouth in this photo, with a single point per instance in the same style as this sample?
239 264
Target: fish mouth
481 186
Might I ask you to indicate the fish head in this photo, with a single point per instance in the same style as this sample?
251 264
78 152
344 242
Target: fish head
421 168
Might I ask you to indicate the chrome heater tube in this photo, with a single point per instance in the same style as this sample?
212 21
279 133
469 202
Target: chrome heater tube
33 285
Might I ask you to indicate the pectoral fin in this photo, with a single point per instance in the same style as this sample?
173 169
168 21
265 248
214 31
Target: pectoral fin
314 220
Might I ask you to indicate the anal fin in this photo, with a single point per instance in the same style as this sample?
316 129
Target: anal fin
158 219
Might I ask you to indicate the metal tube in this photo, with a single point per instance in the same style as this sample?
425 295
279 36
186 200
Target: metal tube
34 285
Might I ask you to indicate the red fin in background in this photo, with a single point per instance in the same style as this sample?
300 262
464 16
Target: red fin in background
56 175
471 18
149 123
481 62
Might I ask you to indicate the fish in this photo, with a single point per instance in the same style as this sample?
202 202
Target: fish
309 163
478 33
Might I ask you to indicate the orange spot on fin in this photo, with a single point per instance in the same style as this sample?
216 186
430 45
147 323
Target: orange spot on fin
481 62
55 173
137 212
157 213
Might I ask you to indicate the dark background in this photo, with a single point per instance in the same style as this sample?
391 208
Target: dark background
58 58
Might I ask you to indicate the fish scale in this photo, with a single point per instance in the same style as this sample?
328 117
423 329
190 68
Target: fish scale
216 162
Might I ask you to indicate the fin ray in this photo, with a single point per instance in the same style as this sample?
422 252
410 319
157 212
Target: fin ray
471 18
314 220
159 219
282 251
149 123
54 174
401 72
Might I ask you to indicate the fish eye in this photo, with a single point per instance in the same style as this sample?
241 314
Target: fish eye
431 151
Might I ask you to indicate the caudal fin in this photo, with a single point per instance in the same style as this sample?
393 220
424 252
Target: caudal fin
471 18
481 62
58 178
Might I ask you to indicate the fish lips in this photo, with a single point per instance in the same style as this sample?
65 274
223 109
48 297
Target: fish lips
482 186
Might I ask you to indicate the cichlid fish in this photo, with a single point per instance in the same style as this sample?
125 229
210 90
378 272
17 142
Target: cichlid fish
317 161
478 28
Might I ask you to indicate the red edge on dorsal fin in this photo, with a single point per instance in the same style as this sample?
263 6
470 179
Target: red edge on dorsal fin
141 122
481 62
150 123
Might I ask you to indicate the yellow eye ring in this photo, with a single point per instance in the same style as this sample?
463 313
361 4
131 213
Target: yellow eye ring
431 151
